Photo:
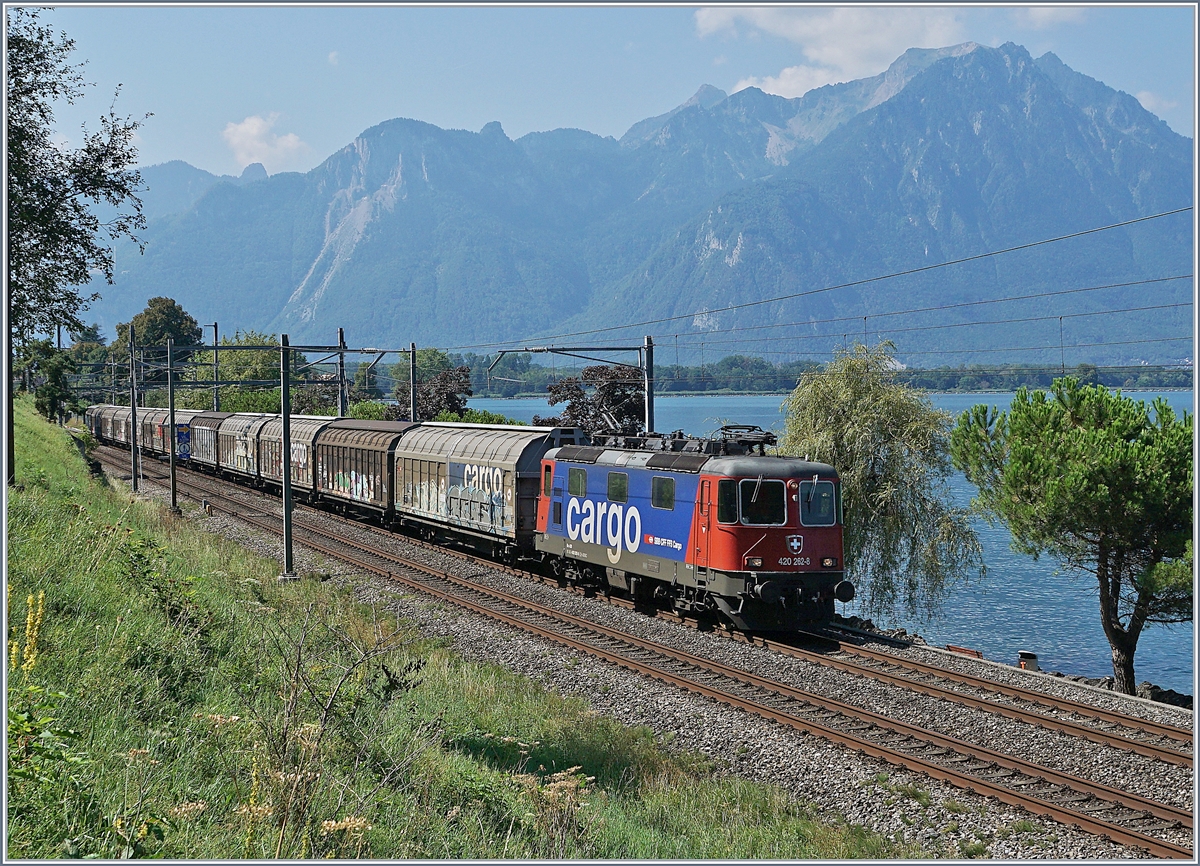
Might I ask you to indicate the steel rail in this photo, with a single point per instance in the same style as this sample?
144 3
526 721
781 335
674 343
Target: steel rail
1149 726
1065 726
1034 804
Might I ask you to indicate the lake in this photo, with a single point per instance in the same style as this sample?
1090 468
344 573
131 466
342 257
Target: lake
1021 604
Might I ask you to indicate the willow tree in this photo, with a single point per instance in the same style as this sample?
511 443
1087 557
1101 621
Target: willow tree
1104 486
906 544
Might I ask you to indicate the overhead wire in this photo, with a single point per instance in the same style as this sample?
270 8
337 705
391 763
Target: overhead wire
846 285
796 337
943 307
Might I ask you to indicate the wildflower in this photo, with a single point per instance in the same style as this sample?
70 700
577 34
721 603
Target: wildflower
187 811
33 624
309 735
294 778
351 825
254 813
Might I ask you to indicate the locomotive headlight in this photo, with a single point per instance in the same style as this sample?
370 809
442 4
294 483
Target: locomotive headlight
829 562
753 562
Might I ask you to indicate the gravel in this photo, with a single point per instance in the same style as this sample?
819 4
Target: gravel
946 821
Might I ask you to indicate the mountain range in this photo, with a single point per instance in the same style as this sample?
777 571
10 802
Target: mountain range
466 239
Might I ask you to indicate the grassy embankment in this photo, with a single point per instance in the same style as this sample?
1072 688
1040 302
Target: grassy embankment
167 697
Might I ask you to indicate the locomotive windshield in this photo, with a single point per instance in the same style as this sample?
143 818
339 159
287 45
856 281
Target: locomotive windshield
818 506
763 503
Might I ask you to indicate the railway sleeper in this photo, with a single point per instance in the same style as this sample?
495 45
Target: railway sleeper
958 759
1156 824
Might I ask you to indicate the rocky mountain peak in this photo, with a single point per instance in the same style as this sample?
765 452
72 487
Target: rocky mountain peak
254 171
450 236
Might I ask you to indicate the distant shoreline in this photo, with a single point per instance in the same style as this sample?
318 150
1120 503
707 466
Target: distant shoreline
668 394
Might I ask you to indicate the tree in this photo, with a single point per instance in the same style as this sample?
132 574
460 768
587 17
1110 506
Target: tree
478 416
163 319
430 362
54 397
316 396
605 398
370 410
444 391
44 370
238 364
56 240
1102 485
905 543
364 387
88 346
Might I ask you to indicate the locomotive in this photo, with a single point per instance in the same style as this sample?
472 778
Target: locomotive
709 526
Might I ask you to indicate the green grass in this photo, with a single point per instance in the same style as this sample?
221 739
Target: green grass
174 700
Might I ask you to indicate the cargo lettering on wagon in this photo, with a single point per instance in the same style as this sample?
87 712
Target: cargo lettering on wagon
489 479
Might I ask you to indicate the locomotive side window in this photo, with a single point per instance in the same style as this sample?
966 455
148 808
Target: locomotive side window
763 503
618 487
577 482
547 479
727 501
662 492
817 503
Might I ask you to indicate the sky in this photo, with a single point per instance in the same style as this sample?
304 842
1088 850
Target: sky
288 86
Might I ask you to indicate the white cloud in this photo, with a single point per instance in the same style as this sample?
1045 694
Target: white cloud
1154 103
333 58
253 141
791 82
1043 17
838 44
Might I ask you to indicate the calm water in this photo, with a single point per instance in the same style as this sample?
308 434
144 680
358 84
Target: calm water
1021 604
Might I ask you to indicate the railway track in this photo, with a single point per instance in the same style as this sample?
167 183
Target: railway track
1096 808
1145 737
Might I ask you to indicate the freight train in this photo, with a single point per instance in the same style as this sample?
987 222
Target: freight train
709 526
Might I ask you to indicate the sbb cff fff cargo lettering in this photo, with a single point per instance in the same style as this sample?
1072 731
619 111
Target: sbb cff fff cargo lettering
709 526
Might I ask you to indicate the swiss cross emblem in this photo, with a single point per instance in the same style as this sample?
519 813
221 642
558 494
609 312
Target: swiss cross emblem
795 543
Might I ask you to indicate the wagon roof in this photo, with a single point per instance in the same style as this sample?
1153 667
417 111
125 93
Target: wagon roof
304 428
210 419
373 435
187 414
243 423
512 447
